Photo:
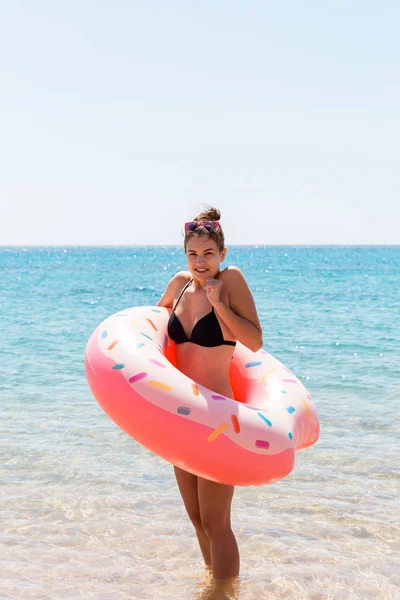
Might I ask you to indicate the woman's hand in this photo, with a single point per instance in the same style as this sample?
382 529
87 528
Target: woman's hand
213 290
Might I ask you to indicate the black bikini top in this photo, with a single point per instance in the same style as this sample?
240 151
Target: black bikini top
207 331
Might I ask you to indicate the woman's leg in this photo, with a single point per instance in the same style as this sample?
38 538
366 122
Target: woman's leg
215 501
187 484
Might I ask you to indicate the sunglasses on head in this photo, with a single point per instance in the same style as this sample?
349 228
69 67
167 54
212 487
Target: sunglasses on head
208 225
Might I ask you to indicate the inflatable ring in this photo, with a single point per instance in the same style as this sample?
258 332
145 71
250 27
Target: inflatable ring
251 440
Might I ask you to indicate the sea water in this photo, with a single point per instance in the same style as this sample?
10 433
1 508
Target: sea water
88 513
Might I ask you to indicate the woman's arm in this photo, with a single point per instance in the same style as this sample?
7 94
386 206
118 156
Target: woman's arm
241 316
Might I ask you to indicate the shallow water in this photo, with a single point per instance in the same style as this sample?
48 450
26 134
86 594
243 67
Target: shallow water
88 513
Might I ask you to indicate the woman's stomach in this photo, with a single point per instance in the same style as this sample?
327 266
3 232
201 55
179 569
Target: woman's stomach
206 366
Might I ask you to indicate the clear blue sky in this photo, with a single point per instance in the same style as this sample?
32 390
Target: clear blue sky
119 118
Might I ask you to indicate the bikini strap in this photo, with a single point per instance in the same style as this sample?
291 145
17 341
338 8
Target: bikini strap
180 295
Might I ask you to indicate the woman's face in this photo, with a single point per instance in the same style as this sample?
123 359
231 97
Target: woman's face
203 257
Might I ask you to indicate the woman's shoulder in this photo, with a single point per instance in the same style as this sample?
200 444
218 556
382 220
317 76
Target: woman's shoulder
234 281
175 285
231 274
179 280
182 277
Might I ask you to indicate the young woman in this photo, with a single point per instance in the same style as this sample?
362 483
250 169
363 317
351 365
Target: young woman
211 309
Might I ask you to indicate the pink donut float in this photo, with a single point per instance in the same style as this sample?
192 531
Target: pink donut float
251 440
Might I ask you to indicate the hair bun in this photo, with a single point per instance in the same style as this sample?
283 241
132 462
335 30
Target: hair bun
209 214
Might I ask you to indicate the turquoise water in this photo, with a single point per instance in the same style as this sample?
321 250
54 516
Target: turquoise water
88 513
